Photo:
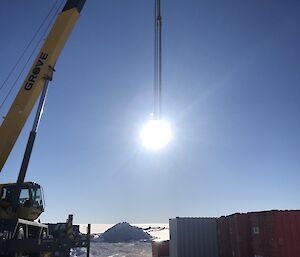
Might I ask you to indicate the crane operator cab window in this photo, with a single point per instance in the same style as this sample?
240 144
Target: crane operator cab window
30 196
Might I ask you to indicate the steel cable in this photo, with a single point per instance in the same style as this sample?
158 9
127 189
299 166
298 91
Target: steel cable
33 51
157 62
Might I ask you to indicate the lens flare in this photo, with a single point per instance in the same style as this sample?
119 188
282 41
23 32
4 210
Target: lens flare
156 134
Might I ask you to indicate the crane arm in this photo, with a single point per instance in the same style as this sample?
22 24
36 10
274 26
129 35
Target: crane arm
40 71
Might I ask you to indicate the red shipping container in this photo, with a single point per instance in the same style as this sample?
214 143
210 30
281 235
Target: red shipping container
224 237
240 235
276 233
160 248
263 226
288 231
234 236
260 234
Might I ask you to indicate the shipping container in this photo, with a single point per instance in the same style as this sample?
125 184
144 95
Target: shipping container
276 233
225 249
260 234
234 236
240 235
160 248
193 237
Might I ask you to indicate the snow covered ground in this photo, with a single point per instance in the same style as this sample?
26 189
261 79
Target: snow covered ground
117 250
160 231
134 249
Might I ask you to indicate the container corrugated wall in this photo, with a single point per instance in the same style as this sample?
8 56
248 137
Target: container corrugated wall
288 231
224 237
276 233
263 229
193 237
264 234
240 235
160 249
234 235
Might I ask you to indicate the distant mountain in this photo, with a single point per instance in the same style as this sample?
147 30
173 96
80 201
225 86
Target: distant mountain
124 232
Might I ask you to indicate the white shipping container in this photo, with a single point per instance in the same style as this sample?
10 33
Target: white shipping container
193 237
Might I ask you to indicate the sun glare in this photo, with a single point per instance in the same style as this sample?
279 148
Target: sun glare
156 134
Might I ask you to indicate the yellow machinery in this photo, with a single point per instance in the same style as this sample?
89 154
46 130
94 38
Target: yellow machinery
34 86
40 72
21 203
31 203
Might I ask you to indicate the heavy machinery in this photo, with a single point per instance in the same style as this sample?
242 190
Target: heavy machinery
21 203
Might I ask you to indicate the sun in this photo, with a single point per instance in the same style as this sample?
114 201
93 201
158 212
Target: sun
156 134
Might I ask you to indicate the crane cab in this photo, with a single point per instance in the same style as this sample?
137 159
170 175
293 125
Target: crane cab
30 202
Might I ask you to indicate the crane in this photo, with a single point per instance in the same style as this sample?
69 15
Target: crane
157 132
35 86
22 202
157 61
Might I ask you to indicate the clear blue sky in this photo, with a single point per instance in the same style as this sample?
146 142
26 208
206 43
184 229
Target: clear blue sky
231 89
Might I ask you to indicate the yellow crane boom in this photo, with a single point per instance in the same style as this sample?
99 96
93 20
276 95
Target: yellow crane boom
40 71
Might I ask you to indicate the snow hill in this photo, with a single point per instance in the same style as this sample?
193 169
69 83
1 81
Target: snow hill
123 232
